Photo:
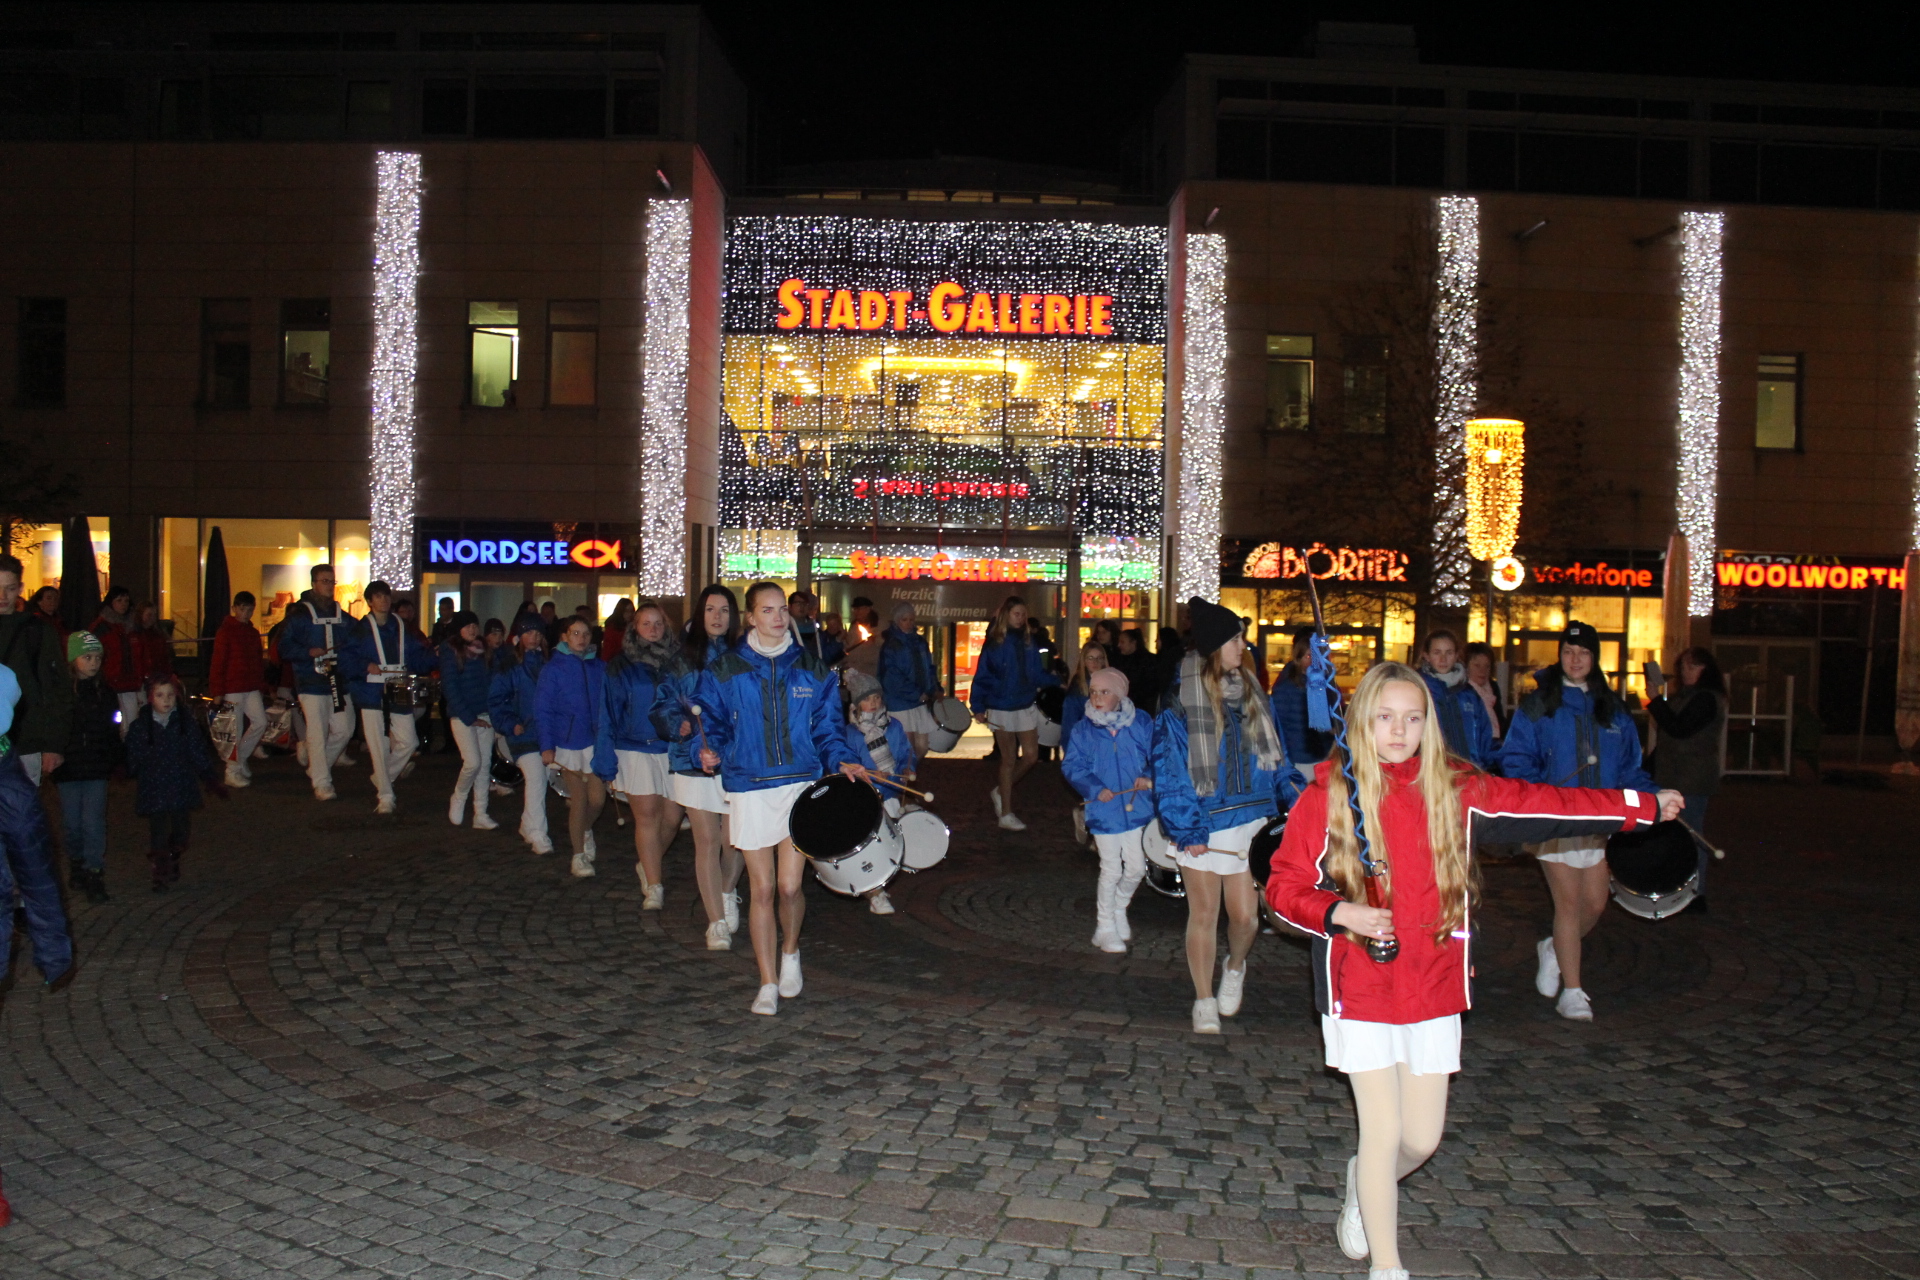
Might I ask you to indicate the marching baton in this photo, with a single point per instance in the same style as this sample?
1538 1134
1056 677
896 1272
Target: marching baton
889 780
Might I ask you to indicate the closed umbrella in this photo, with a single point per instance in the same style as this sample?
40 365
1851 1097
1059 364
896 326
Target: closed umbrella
79 576
219 592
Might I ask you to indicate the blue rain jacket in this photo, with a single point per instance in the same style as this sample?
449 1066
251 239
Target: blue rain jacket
467 688
302 633
897 742
773 721
402 647
1245 790
510 702
1008 675
1098 759
906 669
670 701
1554 732
1463 721
628 722
570 702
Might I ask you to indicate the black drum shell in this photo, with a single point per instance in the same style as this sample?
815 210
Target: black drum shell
1654 862
834 818
1266 842
1052 702
1165 881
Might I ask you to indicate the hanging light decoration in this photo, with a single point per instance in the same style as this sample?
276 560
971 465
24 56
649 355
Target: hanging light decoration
396 345
1496 464
1203 419
1698 483
1456 340
663 400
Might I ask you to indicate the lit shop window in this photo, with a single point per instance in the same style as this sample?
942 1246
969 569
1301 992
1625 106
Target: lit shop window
305 342
352 553
226 353
573 352
274 559
1289 381
1776 418
495 329
1364 385
41 377
43 556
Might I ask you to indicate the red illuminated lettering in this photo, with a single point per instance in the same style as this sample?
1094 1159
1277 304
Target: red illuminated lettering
1079 313
944 311
1099 318
1007 323
1859 578
902 299
1029 313
817 299
980 314
873 309
841 314
1057 318
792 313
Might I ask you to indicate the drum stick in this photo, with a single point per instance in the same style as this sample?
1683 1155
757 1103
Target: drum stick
1712 848
1576 770
889 780
700 728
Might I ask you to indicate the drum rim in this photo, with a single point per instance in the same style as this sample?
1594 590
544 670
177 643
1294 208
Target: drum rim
832 780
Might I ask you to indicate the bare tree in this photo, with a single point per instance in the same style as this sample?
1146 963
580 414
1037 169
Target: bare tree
33 490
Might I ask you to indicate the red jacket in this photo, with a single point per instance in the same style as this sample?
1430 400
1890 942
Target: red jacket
131 656
238 664
1428 979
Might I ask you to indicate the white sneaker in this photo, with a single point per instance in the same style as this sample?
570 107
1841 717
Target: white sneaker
345 761
237 777
542 845
1121 925
387 805
768 1001
1388 1273
1350 1232
499 790
1012 823
1206 1017
593 850
880 904
730 907
259 753
1573 1003
481 822
1546 979
790 974
455 815
325 793
300 752
719 937
1232 983
656 898
1108 941
998 808
582 865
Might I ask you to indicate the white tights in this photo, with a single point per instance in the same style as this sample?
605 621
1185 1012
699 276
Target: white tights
1401 1118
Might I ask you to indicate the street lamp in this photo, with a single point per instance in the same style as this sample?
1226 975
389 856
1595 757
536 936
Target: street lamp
1496 467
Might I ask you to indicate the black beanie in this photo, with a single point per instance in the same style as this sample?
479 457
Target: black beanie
1584 635
1213 626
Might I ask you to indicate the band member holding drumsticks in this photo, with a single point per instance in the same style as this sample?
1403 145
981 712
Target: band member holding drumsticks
382 651
707 637
569 706
771 715
630 752
1218 765
878 741
1394 1026
1109 760
1010 672
907 678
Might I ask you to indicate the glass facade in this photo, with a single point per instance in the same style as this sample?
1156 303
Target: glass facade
271 558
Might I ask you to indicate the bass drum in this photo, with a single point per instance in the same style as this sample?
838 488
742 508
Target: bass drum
950 718
1656 872
1051 702
1266 842
926 839
843 829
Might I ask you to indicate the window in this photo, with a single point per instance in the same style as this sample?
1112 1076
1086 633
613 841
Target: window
1776 416
540 107
1314 151
275 107
573 352
369 109
495 347
226 353
443 107
1364 385
636 106
1289 381
306 341
180 108
42 375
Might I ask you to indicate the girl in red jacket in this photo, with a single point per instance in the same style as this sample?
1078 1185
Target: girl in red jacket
1394 1027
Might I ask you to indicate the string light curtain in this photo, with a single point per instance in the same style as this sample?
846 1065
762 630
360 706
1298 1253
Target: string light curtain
1203 419
1456 371
663 400
396 347
1697 490
1496 469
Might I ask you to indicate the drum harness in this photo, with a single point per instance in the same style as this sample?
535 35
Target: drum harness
336 683
387 669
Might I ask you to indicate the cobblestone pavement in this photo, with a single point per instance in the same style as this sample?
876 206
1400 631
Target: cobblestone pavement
359 1046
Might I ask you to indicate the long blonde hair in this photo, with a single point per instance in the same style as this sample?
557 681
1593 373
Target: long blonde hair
997 628
1440 779
1080 672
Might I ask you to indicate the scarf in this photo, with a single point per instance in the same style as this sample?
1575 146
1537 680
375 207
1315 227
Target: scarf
657 654
1204 731
786 643
1451 679
1115 720
873 728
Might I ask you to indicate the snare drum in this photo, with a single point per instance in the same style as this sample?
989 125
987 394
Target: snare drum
1656 872
1266 842
1051 702
1159 850
951 718
404 693
1165 881
843 829
926 839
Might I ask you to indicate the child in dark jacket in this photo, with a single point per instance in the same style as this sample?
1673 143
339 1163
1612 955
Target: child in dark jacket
169 756
92 753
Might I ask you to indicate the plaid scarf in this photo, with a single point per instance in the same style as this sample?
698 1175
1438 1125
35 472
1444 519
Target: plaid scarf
1237 693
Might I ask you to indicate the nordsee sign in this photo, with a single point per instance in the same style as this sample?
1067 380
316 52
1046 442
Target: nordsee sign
577 553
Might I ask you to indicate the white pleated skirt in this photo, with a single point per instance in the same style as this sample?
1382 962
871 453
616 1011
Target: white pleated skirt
1428 1048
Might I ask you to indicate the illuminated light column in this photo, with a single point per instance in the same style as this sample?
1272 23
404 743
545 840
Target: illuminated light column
1456 349
396 346
663 400
1203 418
1698 484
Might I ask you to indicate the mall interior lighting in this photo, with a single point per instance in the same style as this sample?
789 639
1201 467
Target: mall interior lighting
1698 482
1496 469
396 314
663 400
1457 371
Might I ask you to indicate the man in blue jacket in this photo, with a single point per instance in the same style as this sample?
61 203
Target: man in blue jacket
1463 717
315 634
382 654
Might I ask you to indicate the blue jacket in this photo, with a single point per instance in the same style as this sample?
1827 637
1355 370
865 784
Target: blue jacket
1463 720
1008 675
773 721
906 669
510 702
1556 729
628 722
1245 790
1072 711
1099 759
1305 745
168 761
813 637
467 688
571 701
401 646
670 701
897 742
302 633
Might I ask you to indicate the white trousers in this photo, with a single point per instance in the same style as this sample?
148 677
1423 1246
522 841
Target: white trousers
476 758
328 732
533 815
1123 863
252 710
389 749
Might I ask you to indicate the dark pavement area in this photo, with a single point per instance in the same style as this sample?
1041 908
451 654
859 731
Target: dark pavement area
359 1046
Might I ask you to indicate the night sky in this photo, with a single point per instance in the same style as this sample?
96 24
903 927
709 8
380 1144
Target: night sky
1064 83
